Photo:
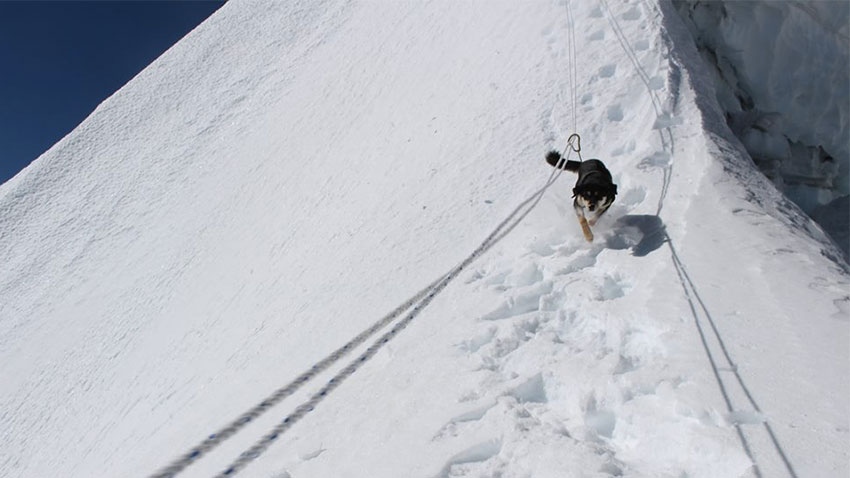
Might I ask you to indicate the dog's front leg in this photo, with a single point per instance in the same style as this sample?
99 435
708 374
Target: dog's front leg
585 228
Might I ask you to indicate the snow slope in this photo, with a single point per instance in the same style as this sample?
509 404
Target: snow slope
289 173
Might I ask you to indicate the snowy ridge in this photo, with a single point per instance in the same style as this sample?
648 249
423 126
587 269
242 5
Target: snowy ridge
289 173
781 77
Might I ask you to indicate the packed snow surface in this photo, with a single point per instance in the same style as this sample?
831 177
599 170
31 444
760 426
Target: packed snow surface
291 172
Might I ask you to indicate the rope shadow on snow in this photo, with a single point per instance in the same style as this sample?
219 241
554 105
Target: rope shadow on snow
644 234
640 233
696 302
653 235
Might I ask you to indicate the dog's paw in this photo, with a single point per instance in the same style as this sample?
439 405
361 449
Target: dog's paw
552 157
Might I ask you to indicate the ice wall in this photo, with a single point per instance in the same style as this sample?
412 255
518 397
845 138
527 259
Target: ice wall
781 71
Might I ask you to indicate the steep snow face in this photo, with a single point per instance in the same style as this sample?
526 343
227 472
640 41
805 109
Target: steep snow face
782 76
292 172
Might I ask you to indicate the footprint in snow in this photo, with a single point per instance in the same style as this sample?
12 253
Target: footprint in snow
607 71
666 120
632 14
611 468
473 415
615 113
541 249
613 287
600 422
496 280
519 334
843 309
625 365
625 148
474 344
533 390
523 303
475 454
658 159
657 83
528 275
579 263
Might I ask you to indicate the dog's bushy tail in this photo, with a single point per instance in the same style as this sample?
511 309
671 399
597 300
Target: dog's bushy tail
553 158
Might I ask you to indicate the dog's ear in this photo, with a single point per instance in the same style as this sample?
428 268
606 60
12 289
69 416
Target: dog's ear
578 190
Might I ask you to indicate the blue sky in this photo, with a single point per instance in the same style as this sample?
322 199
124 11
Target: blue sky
59 60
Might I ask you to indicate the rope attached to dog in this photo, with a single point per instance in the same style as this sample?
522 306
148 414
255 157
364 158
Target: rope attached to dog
574 143
421 300
571 59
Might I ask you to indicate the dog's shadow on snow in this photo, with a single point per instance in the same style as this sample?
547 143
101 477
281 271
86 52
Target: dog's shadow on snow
640 233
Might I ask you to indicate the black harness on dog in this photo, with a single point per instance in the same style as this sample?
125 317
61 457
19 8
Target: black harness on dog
592 174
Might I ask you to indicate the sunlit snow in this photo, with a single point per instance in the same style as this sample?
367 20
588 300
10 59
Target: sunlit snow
291 172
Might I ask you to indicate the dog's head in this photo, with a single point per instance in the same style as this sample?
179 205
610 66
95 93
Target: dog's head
594 197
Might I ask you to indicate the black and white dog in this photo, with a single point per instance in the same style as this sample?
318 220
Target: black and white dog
594 191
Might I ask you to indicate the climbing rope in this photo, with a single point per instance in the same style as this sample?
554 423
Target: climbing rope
571 60
421 300
574 143
216 438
